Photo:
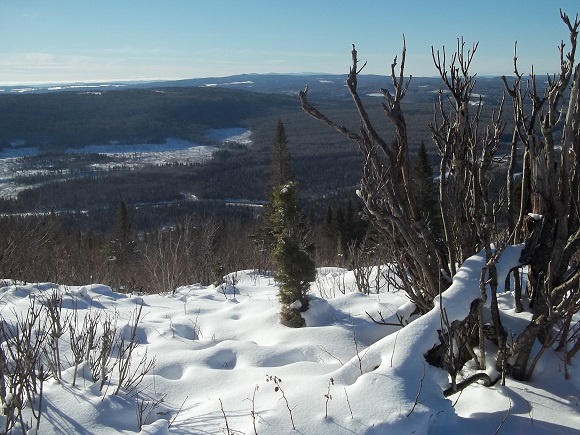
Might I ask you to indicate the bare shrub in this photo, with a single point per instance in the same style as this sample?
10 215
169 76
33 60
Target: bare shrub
129 379
22 365
166 260
539 209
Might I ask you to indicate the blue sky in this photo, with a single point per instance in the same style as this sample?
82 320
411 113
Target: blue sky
78 40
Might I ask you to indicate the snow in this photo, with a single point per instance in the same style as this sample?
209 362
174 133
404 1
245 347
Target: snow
213 85
172 150
217 349
135 156
227 135
170 144
139 155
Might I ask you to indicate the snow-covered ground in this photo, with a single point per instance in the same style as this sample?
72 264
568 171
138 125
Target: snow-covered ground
219 352
114 149
227 135
126 156
138 155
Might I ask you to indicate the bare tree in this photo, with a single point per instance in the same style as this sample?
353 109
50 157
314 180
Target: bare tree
547 217
386 188
549 210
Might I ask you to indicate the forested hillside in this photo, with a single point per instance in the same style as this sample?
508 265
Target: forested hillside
51 123
58 120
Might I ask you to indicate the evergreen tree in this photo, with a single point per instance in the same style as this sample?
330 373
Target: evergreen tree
328 229
295 270
425 190
280 172
123 245
280 164
341 240
344 229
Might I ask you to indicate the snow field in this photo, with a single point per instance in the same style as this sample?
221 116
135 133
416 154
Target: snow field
216 347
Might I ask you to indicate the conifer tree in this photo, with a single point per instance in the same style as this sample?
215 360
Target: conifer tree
283 232
328 230
280 165
280 172
123 246
122 251
295 270
355 226
341 242
425 190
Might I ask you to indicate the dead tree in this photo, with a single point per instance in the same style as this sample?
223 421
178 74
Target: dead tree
545 215
466 154
425 263
386 188
549 211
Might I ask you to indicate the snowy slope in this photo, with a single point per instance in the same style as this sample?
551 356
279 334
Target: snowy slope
218 349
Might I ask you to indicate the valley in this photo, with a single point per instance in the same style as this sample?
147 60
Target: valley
193 146
19 164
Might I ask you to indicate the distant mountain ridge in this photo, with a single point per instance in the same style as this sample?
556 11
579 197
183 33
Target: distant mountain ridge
321 85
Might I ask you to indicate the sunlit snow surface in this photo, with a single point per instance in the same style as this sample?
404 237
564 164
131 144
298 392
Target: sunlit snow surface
226 135
215 344
173 150
126 156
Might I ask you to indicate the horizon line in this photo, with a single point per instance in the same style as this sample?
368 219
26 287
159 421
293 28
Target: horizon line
112 82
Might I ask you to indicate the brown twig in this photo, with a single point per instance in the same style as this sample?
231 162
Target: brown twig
328 396
178 411
348 403
504 419
356 349
418 392
277 381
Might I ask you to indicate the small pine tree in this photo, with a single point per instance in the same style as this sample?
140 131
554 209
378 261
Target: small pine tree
341 240
328 227
426 195
354 227
280 164
280 172
123 246
123 250
295 270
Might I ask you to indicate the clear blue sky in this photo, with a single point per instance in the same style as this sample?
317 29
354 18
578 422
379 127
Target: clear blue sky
45 41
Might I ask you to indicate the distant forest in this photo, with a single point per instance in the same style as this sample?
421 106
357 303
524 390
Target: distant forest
73 209
55 121
327 167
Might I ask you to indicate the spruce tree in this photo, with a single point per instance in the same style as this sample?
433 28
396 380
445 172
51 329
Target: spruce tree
123 251
280 164
283 232
425 190
328 229
341 242
279 172
123 246
295 270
